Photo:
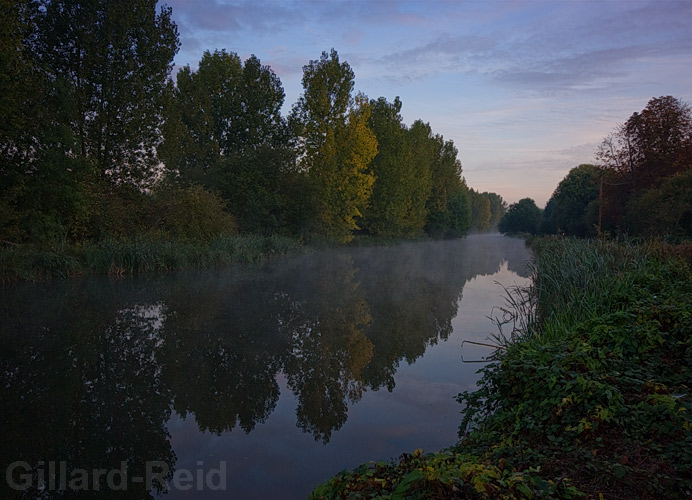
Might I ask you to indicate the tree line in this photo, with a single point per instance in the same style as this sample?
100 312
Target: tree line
641 186
97 141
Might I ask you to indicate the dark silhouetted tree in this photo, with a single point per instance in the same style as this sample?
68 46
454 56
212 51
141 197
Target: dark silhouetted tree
650 147
116 57
225 131
573 207
521 217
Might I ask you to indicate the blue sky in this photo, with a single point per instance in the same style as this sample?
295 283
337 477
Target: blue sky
526 89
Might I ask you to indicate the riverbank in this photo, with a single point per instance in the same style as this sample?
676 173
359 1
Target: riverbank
155 253
589 400
139 255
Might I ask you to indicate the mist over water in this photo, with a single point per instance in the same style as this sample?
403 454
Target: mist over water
287 372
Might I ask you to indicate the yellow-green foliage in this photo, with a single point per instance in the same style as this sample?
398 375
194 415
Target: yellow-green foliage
344 182
446 475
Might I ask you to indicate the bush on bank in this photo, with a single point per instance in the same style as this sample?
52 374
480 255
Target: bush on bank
591 400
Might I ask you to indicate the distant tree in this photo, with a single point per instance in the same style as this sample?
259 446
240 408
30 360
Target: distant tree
498 207
641 154
397 206
225 131
521 217
335 144
548 224
573 207
480 211
446 182
486 210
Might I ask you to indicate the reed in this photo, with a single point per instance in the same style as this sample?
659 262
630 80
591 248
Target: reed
573 281
139 255
19 263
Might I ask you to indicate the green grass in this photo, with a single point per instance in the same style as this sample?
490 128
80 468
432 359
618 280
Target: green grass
140 255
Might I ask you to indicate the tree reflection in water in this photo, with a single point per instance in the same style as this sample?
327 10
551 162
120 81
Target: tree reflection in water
81 384
93 368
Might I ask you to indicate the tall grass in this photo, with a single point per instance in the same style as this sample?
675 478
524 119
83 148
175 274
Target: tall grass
518 314
603 356
18 263
140 255
576 280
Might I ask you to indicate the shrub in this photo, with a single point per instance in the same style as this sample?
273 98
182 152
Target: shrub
193 213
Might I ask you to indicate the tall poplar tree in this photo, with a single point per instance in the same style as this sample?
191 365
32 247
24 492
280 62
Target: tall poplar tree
447 190
498 207
402 181
335 145
480 210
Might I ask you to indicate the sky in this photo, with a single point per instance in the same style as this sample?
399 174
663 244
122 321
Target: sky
525 89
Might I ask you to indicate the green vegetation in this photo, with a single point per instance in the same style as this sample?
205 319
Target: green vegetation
521 217
643 159
403 176
573 207
339 146
139 255
447 475
589 398
487 210
223 131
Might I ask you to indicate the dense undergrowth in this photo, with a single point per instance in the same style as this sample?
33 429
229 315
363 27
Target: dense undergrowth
139 255
589 399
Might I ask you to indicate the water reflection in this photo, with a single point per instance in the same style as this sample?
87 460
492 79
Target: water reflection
93 368
81 387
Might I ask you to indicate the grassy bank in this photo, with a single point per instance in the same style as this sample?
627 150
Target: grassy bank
591 399
153 252
141 255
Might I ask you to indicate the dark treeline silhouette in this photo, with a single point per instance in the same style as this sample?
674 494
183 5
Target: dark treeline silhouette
97 141
641 187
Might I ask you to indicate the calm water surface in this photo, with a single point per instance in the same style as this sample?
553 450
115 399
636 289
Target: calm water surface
266 380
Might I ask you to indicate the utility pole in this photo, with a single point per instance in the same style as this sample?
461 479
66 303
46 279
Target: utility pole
600 205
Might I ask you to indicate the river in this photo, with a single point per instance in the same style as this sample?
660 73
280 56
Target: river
251 382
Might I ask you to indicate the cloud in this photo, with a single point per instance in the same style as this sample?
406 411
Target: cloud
214 15
584 71
566 47
447 50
